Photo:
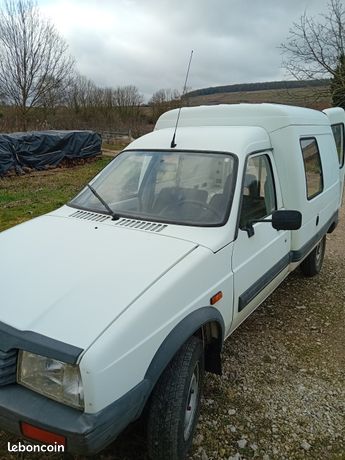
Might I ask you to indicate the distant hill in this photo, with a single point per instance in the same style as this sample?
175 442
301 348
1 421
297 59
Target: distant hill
260 86
309 93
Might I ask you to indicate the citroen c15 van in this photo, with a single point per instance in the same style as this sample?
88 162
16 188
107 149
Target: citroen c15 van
121 299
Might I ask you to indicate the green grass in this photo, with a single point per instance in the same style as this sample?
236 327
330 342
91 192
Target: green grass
28 196
115 146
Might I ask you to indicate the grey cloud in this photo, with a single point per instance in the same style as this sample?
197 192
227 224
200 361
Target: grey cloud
234 41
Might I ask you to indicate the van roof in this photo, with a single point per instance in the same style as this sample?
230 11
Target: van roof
268 116
335 114
240 140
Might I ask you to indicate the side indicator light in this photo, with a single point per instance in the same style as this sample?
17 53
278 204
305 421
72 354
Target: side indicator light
47 437
216 298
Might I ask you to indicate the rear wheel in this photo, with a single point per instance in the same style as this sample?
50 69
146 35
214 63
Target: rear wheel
312 264
175 404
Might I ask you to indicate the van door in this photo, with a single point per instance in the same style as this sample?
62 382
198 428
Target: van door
260 258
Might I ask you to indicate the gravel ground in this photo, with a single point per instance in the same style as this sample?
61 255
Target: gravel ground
282 393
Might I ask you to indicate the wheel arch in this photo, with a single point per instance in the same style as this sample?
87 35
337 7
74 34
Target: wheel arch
206 323
333 223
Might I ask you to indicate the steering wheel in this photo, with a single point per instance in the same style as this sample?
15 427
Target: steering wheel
204 206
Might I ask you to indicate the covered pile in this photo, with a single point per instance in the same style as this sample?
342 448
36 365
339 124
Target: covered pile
42 149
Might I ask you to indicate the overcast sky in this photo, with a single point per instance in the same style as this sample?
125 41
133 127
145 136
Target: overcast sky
147 43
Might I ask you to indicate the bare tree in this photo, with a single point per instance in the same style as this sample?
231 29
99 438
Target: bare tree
163 100
315 48
34 62
338 84
127 101
80 93
104 107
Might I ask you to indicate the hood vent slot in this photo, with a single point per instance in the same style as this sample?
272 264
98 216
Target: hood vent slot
90 216
140 225
122 222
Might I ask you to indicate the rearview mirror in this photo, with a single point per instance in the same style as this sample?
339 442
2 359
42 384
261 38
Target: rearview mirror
286 220
281 220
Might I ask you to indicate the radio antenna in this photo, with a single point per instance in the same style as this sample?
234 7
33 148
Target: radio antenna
173 144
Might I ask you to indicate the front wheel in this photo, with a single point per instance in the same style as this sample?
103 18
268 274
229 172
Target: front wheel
175 404
312 264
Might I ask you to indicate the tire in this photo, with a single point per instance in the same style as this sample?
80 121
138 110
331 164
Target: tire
175 404
312 264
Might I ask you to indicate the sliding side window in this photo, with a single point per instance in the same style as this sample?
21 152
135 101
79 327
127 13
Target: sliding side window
338 133
312 167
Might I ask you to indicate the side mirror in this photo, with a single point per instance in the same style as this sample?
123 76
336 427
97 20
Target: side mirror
286 220
281 220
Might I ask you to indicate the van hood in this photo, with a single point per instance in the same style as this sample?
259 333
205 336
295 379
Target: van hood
68 279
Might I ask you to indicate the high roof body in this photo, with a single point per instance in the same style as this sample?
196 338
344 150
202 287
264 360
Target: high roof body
236 139
335 114
271 117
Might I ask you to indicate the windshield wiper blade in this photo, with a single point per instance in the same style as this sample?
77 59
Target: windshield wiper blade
104 203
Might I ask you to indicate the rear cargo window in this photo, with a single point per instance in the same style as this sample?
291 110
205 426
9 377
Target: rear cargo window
338 133
312 166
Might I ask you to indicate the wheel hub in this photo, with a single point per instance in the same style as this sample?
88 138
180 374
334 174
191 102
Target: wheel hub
318 253
192 403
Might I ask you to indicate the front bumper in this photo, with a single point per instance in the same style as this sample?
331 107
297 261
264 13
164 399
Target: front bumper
85 433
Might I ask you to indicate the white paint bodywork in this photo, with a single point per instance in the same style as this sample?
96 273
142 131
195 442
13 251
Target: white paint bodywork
271 117
335 115
118 292
80 278
137 335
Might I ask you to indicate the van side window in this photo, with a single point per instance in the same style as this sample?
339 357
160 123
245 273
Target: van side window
259 197
312 167
338 133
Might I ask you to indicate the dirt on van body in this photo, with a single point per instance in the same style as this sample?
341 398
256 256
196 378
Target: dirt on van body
282 393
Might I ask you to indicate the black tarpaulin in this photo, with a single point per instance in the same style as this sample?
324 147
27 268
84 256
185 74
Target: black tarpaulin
42 149
7 154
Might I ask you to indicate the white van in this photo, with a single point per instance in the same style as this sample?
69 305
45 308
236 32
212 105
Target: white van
121 299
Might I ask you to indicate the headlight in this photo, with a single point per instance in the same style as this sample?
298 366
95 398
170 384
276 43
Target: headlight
51 378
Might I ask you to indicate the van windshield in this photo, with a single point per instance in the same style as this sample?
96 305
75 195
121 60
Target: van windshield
187 188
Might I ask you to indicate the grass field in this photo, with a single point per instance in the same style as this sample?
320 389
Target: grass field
30 195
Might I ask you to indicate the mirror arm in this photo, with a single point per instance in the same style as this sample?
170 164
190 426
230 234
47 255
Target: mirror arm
250 229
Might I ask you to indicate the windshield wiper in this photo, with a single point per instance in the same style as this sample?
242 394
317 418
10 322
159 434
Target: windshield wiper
104 203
